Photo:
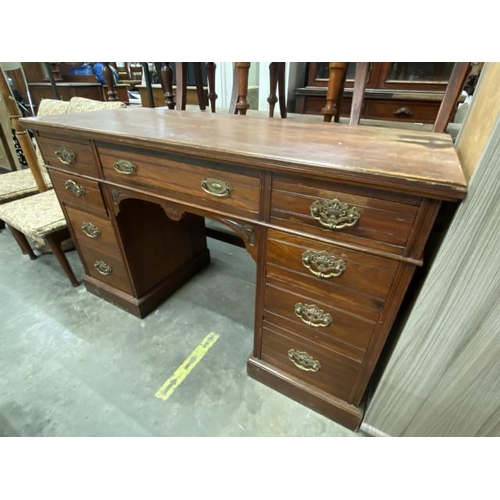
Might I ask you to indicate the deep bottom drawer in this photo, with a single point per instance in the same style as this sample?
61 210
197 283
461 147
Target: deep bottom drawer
106 268
319 367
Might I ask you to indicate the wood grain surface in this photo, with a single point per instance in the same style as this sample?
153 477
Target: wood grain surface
409 160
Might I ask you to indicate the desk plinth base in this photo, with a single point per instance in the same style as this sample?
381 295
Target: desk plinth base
144 305
334 408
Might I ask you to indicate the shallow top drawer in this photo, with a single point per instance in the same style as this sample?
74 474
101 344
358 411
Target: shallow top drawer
204 186
75 157
355 215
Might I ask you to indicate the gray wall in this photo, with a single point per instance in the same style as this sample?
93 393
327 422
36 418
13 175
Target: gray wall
443 378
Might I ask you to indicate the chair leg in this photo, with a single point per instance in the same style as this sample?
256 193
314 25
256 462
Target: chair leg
242 104
234 92
358 92
212 96
336 75
281 89
180 85
453 89
273 82
23 243
165 74
199 86
55 243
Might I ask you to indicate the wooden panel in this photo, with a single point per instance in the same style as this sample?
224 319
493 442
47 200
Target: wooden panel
382 224
443 378
164 173
91 199
336 374
83 163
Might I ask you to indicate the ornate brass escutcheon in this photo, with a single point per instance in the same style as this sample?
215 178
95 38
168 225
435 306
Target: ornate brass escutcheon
102 267
312 315
216 187
125 167
322 264
303 360
74 187
91 230
335 214
65 155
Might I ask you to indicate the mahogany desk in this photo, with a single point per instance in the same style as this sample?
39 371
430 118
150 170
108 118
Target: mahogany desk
335 216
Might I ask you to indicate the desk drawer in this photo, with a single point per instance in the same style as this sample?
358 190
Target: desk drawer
106 267
78 192
321 368
352 278
206 187
318 319
75 157
355 215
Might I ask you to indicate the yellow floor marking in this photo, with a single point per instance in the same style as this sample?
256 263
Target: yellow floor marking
168 388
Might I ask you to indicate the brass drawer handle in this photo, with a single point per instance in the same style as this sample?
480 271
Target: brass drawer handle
322 264
91 230
215 187
335 214
312 315
303 361
102 267
125 167
75 188
65 155
403 111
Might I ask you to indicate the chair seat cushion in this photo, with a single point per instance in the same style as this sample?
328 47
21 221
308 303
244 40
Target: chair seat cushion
18 184
82 105
35 216
50 107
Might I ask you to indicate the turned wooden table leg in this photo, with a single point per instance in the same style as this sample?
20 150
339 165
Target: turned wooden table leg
273 82
281 89
212 96
242 105
110 82
199 86
165 73
336 78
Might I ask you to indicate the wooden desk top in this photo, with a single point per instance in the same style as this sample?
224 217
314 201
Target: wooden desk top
415 162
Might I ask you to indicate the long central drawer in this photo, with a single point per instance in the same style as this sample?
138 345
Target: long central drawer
224 189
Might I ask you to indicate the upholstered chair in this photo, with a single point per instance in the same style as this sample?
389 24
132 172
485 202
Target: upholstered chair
39 217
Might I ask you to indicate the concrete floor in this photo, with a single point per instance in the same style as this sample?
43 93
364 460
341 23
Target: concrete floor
72 364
